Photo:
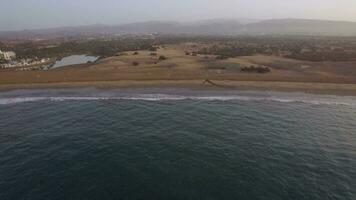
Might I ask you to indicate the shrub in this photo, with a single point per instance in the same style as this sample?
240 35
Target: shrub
263 70
259 69
162 58
135 53
135 63
222 57
152 48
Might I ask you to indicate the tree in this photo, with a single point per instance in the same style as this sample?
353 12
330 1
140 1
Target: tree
152 48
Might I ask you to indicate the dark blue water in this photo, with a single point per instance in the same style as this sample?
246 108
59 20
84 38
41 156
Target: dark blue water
176 144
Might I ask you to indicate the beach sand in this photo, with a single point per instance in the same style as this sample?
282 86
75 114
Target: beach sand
316 88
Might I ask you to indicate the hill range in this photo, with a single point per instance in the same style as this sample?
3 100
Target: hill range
205 27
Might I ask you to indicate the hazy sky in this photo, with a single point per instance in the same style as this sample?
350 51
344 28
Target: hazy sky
32 14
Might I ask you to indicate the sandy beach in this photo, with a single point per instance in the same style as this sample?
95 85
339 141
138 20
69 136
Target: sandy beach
316 88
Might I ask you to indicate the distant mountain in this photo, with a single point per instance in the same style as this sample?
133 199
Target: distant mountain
204 27
302 27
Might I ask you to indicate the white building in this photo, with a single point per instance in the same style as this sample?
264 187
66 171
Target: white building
8 55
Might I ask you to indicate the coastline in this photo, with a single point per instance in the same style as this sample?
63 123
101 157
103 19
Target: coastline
305 87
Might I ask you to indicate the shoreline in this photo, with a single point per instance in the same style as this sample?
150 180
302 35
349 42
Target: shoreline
313 88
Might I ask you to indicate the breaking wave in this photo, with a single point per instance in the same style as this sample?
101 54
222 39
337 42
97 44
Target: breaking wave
169 97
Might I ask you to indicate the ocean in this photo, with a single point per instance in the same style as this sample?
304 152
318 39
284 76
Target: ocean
175 143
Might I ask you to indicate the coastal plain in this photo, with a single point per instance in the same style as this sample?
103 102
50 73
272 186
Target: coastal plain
175 65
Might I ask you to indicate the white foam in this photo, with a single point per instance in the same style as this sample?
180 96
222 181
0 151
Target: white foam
5 101
169 97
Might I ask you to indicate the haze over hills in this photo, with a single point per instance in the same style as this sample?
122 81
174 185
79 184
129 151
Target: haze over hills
303 27
205 27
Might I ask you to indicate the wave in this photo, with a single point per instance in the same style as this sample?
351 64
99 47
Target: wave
166 97
5 101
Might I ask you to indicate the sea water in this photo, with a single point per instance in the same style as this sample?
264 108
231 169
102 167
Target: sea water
169 143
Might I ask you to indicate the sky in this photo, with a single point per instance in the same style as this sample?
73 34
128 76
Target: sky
35 14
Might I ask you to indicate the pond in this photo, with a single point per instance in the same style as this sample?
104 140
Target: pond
73 60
